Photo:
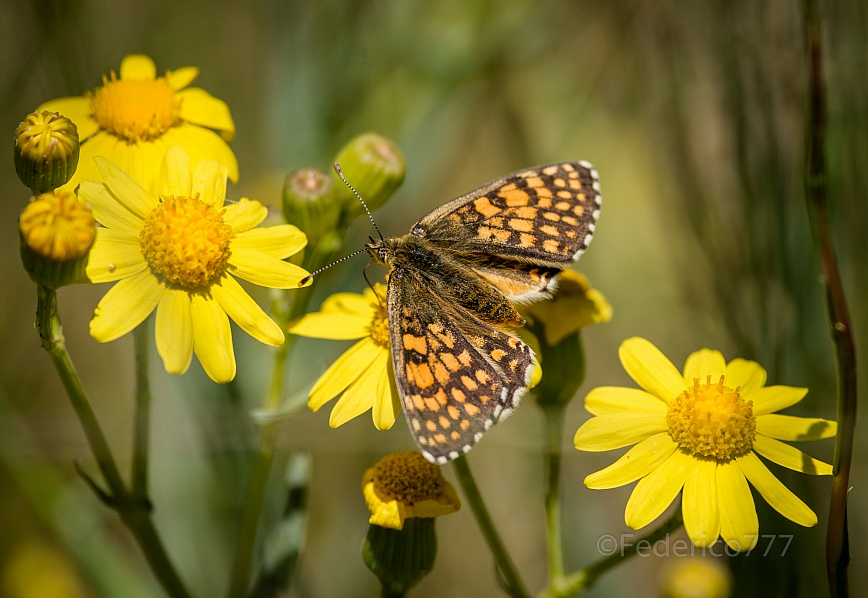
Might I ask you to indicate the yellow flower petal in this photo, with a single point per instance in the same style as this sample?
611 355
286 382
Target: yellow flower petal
212 338
125 306
386 404
176 176
620 399
638 462
209 181
739 525
344 371
201 108
264 270
336 327
789 457
615 430
203 144
174 331
348 303
107 210
703 363
182 77
699 506
359 397
279 241
385 511
138 66
774 492
647 365
244 214
127 191
656 491
115 254
245 312
749 375
774 398
76 109
787 427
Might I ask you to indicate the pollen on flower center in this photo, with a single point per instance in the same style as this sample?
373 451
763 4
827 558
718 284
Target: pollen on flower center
186 241
408 477
380 326
712 420
135 109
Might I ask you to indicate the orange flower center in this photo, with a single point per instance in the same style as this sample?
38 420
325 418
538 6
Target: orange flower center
186 241
408 477
135 109
380 323
712 420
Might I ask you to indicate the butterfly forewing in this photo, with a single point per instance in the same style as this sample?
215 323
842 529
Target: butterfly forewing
544 215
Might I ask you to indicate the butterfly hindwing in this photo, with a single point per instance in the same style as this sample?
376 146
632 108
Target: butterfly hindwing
455 374
544 215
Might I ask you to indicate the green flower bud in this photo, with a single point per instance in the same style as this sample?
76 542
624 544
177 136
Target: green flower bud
401 558
56 232
46 150
374 166
311 202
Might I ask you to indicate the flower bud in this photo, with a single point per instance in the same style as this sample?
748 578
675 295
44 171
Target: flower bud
695 578
374 166
400 558
56 232
311 202
46 150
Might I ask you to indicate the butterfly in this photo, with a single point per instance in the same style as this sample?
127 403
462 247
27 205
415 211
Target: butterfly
451 291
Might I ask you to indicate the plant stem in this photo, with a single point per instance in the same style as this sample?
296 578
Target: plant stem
578 582
837 541
514 585
554 421
133 510
141 442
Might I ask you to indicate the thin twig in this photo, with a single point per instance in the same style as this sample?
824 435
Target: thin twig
837 544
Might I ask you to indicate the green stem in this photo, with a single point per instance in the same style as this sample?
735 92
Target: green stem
554 420
580 581
141 442
837 540
133 510
254 497
514 585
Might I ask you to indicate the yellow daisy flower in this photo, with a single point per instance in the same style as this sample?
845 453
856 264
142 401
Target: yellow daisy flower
134 119
177 253
362 375
700 432
404 485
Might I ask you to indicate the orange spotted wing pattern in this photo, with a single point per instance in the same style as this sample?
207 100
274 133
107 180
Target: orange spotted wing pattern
453 281
456 375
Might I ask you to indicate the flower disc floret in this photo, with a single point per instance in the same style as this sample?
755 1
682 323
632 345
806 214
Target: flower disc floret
58 226
135 109
186 241
712 420
408 477
380 326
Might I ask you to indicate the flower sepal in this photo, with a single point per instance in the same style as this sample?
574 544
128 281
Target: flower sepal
401 558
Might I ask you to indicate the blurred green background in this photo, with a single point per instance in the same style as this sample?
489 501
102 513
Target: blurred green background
691 112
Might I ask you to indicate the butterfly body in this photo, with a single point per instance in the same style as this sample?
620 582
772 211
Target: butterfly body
453 282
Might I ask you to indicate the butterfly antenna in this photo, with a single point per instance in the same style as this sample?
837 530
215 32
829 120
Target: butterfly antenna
341 174
305 280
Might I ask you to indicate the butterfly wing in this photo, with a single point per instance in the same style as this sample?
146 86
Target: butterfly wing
456 375
543 216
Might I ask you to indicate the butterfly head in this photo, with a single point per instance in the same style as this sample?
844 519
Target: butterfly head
381 250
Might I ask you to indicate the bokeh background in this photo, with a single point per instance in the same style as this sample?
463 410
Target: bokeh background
693 114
